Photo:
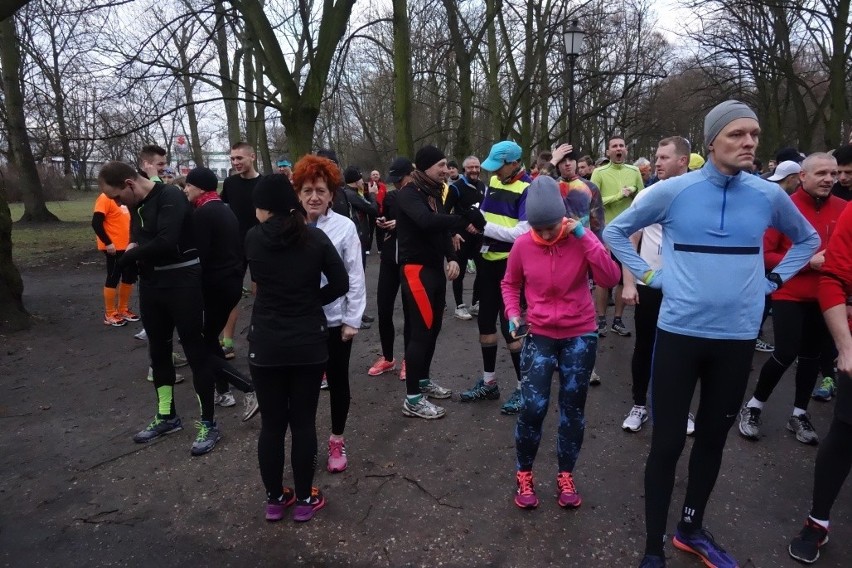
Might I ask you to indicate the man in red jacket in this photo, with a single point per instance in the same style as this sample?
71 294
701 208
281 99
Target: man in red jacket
800 331
835 453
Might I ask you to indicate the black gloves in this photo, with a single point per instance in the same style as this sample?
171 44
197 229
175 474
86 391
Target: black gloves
474 217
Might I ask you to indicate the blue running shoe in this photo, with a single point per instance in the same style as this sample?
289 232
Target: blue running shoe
480 391
701 544
651 561
158 427
514 404
208 435
826 390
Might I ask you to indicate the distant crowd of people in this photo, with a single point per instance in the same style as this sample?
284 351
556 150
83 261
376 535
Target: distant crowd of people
703 250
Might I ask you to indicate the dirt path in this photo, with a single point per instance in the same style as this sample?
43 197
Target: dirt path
76 490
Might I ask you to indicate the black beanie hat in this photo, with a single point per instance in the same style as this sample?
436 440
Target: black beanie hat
427 156
275 194
203 179
351 174
326 153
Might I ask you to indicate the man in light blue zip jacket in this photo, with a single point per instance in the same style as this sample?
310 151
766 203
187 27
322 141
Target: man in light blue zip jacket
713 284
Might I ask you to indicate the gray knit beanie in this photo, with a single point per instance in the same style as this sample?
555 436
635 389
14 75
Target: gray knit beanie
722 115
545 206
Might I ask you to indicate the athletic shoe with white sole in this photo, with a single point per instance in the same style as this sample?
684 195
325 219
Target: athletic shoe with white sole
637 416
434 390
461 313
750 423
805 547
803 429
251 407
422 409
225 399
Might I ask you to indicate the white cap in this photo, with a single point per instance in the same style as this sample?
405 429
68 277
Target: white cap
785 169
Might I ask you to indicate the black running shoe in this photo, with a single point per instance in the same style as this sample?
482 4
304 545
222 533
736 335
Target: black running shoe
805 547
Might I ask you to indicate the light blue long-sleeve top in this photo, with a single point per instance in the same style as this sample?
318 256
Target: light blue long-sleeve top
713 278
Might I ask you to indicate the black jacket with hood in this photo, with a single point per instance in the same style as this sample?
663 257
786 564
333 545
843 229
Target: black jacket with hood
288 326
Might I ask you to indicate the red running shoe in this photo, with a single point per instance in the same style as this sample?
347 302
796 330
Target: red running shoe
525 497
568 496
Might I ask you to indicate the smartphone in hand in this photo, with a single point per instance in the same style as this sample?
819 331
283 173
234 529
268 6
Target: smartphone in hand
521 331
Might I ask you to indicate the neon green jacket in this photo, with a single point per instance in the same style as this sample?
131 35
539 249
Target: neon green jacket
611 178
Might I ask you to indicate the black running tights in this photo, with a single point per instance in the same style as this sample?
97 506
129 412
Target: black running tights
800 332
679 362
163 311
288 397
337 373
386 291
645 322
126 274
469 250
834 458
219 300
423 292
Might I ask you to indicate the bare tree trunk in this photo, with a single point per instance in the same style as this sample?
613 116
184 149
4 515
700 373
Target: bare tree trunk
9 7
226 76
837 73
260 121
13 316
248 81
191 114
299 110
55 79
192 118
494 105
21 154
402 79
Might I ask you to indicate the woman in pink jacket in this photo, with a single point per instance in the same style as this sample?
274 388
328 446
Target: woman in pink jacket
551 264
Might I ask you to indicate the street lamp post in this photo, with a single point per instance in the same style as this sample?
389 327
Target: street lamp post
574 38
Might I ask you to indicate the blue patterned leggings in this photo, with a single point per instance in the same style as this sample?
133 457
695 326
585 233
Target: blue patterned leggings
574 358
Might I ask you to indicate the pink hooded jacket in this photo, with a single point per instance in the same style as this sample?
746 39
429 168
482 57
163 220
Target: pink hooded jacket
555 282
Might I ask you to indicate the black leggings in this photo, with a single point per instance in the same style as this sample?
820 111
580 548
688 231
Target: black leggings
827 357
337 373
645 322
834 458
800 331
163 310
469 250
723 366
424 289
490 274
288 396
219 300
126 274
386 291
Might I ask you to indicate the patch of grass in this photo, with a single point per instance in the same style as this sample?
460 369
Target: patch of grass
43 243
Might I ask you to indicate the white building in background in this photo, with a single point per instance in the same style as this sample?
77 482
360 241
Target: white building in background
219 162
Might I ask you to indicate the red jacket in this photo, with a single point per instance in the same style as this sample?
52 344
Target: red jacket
835 283
380 196
823 217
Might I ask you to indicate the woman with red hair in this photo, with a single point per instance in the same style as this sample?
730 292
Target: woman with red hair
315 180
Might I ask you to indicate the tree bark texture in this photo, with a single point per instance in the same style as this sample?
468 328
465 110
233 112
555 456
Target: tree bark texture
21 154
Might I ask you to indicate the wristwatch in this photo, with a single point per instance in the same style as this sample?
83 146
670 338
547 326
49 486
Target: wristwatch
775 279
